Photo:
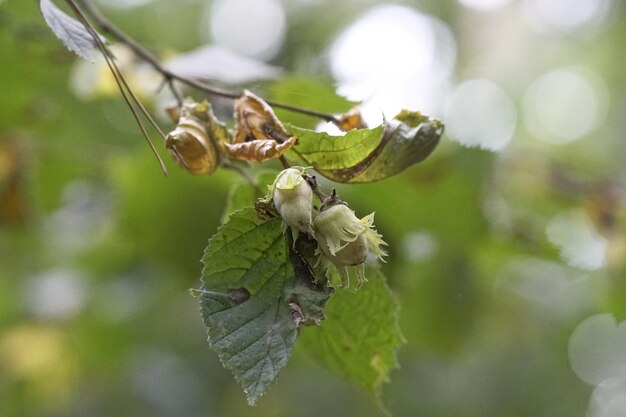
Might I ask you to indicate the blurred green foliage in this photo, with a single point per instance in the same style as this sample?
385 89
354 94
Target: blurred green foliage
98 248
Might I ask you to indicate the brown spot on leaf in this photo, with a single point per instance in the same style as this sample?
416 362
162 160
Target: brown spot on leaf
351 120
238 295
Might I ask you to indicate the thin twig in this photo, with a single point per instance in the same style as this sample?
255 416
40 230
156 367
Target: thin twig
320 115
178 96
151 59
121 83
312 180
284 162
175 92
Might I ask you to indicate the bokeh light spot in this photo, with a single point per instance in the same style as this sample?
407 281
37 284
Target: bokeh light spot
394 57
597 349
124 4
549 286
565 16
56 294
479 113
609 399
254 28
484 5
565 105
580 244
420 246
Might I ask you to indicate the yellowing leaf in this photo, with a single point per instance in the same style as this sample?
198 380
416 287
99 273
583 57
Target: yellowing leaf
367 155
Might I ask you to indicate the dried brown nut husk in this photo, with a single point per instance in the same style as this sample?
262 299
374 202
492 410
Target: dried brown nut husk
256 120
192 147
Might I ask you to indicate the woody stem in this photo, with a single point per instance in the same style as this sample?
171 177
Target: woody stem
106 26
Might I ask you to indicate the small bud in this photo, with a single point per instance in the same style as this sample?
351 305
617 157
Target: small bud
345 240
353 254
293 198
339 226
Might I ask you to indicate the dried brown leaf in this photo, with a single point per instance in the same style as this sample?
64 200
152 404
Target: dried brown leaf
192 147
256 120
351 120
257 150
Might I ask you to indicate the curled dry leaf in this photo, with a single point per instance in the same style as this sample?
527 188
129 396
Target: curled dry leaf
256 120
260 135
191 146
193 142
173 111
257 150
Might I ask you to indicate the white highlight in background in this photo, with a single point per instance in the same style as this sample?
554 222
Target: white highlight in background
56 294
123 4
394 57
479 113
579 242
254 28
565 105
597 349
484 5
420 246
549 286
566 16
608 399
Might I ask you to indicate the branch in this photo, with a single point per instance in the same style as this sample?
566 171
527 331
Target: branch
127 92
151 59
312 180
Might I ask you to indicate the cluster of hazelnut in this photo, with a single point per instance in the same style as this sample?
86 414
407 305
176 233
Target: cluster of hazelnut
343 240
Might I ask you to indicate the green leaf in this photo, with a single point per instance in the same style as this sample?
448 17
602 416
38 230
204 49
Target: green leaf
310 291
251 299
367 155
71 32
327 152
360 337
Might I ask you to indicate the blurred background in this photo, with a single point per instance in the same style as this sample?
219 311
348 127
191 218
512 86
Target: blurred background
507 245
